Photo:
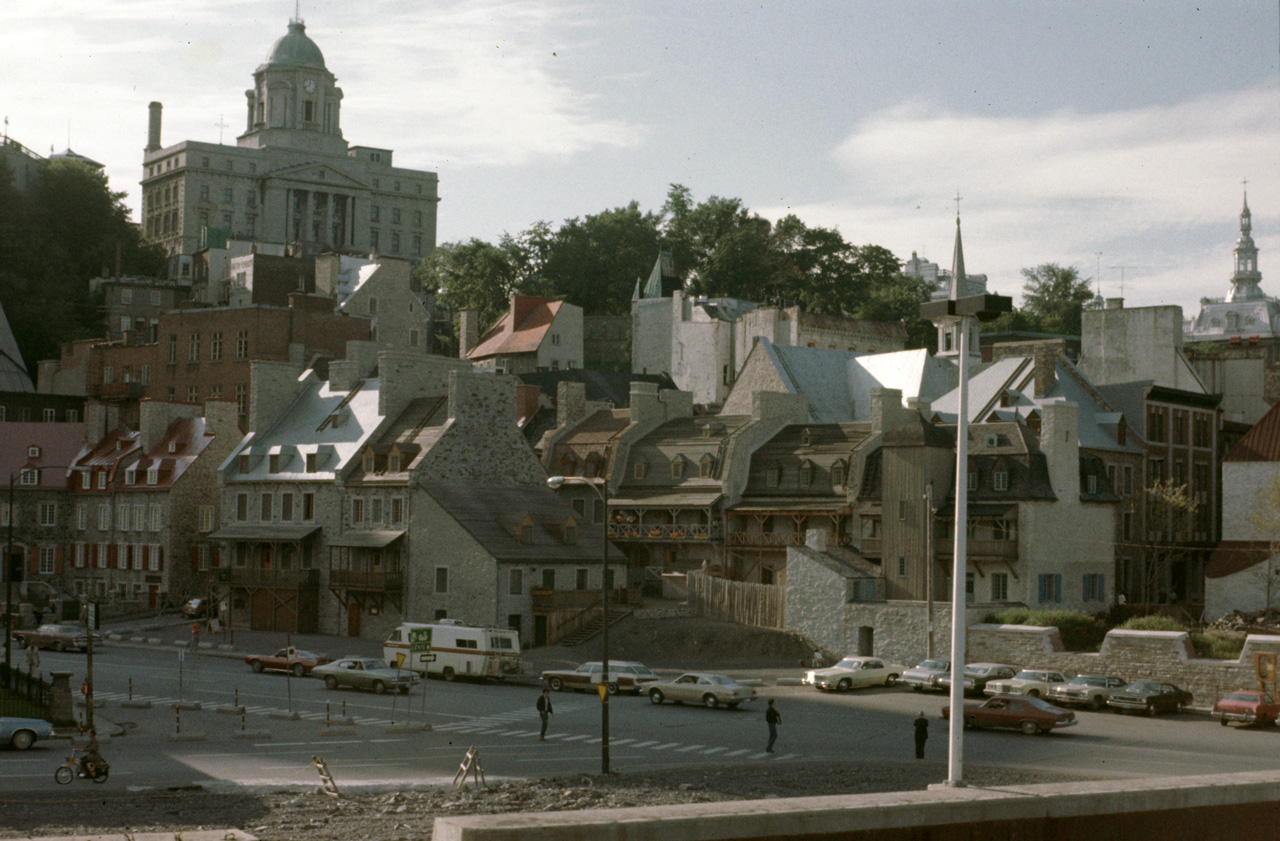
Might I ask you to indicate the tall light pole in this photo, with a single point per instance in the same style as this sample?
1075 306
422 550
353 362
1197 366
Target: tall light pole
958 314
601 487
8 592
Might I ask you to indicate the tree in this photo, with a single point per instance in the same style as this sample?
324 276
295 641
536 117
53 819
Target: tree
1264 517
472 274
1170 514
593 262
1054 295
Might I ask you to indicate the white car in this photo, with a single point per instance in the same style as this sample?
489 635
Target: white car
697 687
1092 691
1033 683
926 674
852 673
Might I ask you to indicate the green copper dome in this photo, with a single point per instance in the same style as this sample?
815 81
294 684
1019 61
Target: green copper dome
295 49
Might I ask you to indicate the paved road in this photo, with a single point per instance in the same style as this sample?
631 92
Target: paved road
501 722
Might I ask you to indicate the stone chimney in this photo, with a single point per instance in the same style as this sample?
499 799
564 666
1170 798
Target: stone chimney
153 127
571 402
923 407
155 418
328 274
404 375
1044 369
477 401
887 411
222 417
99 419
528 399
1060 443
779 406
273 386
468 330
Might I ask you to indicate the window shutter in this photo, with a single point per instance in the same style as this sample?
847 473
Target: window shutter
33 561
57 560
195 558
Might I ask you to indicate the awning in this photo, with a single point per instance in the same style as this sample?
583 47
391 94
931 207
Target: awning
791 506
1232 556
366 539
265 534
667 500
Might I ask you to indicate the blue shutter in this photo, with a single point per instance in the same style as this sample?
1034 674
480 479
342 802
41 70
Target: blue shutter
1102 587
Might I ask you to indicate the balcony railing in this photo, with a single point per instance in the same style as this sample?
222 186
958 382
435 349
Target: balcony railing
351 579
870 546
765 538
666 531
284 578
1001 550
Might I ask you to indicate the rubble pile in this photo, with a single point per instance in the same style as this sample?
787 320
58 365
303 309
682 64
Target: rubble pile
1249 622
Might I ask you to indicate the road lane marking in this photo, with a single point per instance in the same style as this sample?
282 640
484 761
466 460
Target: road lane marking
713 750
645 744
689 748
622 741
738 752
667 745
575 738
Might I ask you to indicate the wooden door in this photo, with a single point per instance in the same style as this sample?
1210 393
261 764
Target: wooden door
353 619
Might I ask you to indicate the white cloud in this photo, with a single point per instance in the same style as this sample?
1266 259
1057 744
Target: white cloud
1156 189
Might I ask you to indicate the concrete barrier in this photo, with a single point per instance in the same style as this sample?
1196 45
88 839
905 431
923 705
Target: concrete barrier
1170 808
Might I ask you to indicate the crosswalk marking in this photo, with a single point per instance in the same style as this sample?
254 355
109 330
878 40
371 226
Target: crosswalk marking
738 752
623 741
575 738
688 748
644 744
709 751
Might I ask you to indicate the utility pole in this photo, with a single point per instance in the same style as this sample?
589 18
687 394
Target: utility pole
928 576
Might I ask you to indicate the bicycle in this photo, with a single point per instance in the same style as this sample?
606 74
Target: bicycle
75 768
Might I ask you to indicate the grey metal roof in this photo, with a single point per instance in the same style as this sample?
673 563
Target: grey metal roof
841 561
494 515
376 539
266 534
660 499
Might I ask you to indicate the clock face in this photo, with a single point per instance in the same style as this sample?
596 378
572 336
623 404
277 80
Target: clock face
310 85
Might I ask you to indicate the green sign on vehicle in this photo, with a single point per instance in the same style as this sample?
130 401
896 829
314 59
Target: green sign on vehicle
419 640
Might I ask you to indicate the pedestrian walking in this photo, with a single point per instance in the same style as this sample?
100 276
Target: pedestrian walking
922 734
33 659
772 718
544 711
195 637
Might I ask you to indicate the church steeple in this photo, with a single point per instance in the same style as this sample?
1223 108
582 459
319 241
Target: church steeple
957 263
949 331
1245 279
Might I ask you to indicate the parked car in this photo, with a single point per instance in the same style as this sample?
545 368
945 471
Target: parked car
978 675
197 607
1030 715
1034 683
1091 691
854 672
57 637
1153 696
624 676
1247 706
926 674
365 673
698 687
287 660
22 733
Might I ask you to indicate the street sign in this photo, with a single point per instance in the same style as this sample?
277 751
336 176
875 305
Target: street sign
419 640
91 618
399 659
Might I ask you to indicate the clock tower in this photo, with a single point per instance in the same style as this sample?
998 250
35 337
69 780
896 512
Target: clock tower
294 101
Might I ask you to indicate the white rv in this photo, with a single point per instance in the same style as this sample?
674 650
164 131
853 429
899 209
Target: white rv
458 650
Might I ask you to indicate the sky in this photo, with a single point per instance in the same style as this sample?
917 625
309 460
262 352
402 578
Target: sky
1112 136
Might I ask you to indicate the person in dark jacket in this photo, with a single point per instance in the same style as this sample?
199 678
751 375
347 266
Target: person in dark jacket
922 734
772 718
544 711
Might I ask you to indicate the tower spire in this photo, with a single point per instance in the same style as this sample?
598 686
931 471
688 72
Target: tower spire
957 258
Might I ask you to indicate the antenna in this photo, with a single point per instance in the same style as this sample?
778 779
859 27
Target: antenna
1097 278
1122 268
221 124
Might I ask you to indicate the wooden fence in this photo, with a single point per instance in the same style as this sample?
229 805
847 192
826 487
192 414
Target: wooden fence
763 605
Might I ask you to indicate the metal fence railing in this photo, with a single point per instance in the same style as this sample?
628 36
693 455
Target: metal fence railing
24 695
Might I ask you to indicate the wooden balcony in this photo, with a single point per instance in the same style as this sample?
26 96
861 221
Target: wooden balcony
871 546
287 579
380 581
991 550
666 531
765 538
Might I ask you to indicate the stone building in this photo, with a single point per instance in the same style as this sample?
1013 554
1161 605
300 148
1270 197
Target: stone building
268 279
401 316
535 334
132 305
292 177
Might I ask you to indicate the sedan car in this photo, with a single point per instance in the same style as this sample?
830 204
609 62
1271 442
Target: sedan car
700 688
1030 715
926 674
854 672
365 673
287 660
978 675
1153 696
22 733
624 676
1247 706
1034 683
57 637
1091 691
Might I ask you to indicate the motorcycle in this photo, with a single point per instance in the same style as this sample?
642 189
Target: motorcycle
76 768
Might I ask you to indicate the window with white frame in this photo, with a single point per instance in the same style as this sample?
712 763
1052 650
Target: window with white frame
130 476
1000 480
102 480
153 475
999 586
139 517
104 517
206 518
153 557
155 517
30 476
48 514
101 554
397 511
79 555
202 556
357 510
48 556
82 517
122 518
375 510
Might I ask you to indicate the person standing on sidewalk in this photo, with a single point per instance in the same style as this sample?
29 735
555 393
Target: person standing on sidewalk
544 711
772 718
922 734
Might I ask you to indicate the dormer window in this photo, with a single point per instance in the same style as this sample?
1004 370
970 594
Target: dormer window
639 469
677 467
130 476
571 532
311 462
706 466
806 438
368 462
526 531
838 471
273 463
153 476
102 480
33 452
173 447
242 463
1000 480
591 467
393 461
1092 484
773 475
86 480
973 480
806 472
30 476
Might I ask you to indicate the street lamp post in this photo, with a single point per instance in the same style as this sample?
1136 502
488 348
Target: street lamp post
8 592
601 487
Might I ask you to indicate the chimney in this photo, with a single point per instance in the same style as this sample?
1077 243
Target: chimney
923 407
222 417
1115 303
468 330
155 418
328 267
571 402
1060 443
528 398
886 409
1044 368
645 406
153 127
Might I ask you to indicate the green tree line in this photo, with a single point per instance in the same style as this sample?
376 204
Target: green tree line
54 237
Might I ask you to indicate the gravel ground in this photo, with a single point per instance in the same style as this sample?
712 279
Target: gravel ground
278 816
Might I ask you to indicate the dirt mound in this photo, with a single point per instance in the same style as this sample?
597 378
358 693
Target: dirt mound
686 642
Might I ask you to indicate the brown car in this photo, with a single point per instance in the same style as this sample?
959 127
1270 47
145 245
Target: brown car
287 660
57 637
625 676
1030 715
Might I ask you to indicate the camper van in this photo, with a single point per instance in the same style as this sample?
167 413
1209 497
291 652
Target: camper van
458 650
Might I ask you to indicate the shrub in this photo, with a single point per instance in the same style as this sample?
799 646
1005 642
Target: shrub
1154 622
1214 647
1079 631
